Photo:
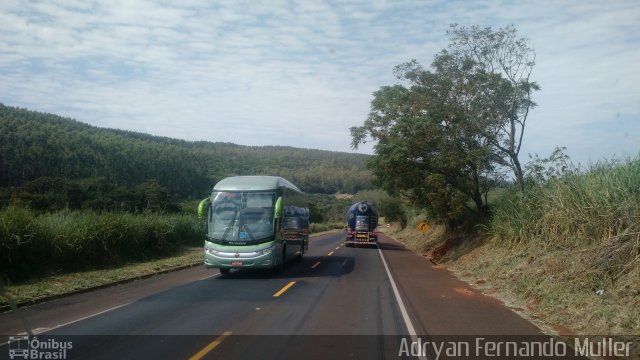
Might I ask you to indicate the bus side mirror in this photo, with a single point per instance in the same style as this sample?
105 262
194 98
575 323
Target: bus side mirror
276 213
278 208
202 206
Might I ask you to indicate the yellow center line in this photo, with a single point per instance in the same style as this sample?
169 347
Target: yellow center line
212 345
316 264
329 254
285 288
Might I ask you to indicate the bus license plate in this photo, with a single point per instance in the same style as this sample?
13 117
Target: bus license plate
236 263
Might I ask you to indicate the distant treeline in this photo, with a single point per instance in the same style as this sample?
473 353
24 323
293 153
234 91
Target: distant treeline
53 193
76 157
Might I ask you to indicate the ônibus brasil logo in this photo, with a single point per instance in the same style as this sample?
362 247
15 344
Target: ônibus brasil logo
24 347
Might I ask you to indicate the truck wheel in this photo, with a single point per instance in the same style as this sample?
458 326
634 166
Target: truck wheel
301 254
225 271
280 268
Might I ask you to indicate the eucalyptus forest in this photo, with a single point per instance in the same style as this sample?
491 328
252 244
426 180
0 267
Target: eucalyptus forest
51 162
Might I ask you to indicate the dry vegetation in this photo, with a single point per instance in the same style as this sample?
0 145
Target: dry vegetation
566 253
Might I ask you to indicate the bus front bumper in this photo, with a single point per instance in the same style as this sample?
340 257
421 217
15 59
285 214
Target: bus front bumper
230 259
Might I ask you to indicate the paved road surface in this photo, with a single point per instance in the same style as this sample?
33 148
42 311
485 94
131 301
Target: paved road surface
353 303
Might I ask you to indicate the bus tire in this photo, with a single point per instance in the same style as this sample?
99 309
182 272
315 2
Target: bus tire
225 271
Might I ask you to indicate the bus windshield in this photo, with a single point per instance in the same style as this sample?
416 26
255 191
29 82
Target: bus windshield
240 218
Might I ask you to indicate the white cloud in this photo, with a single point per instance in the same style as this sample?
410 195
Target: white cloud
301 74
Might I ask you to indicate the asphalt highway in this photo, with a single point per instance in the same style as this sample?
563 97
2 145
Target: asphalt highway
338 303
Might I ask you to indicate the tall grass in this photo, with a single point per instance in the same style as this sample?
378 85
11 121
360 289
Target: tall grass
578 209
34 244
595 212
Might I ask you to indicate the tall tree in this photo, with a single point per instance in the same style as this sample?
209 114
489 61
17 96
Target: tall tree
500 108
426 148
441 138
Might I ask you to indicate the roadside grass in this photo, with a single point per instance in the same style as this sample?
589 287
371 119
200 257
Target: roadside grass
554 289
75 281
412 237
565 253
68 283
33 245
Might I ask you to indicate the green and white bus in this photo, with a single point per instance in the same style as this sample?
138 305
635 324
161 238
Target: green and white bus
254 222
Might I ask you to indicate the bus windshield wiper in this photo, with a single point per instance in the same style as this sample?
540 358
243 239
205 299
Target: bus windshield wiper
229 226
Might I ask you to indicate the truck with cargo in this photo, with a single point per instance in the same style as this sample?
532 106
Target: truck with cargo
362 221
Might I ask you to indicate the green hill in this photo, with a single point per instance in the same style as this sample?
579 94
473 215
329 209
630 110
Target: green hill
36 145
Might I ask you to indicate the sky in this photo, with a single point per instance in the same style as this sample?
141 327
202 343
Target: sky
301 73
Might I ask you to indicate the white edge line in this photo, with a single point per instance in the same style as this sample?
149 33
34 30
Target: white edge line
403 309
210 276
102 312
44 330
87 317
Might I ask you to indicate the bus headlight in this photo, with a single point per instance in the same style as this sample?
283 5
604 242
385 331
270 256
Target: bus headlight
266 251
211 251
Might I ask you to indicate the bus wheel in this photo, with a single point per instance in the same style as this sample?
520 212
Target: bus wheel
224 271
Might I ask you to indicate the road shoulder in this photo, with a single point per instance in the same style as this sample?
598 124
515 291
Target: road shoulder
441 304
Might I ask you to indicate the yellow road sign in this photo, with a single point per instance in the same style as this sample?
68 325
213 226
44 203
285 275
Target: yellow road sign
423 226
